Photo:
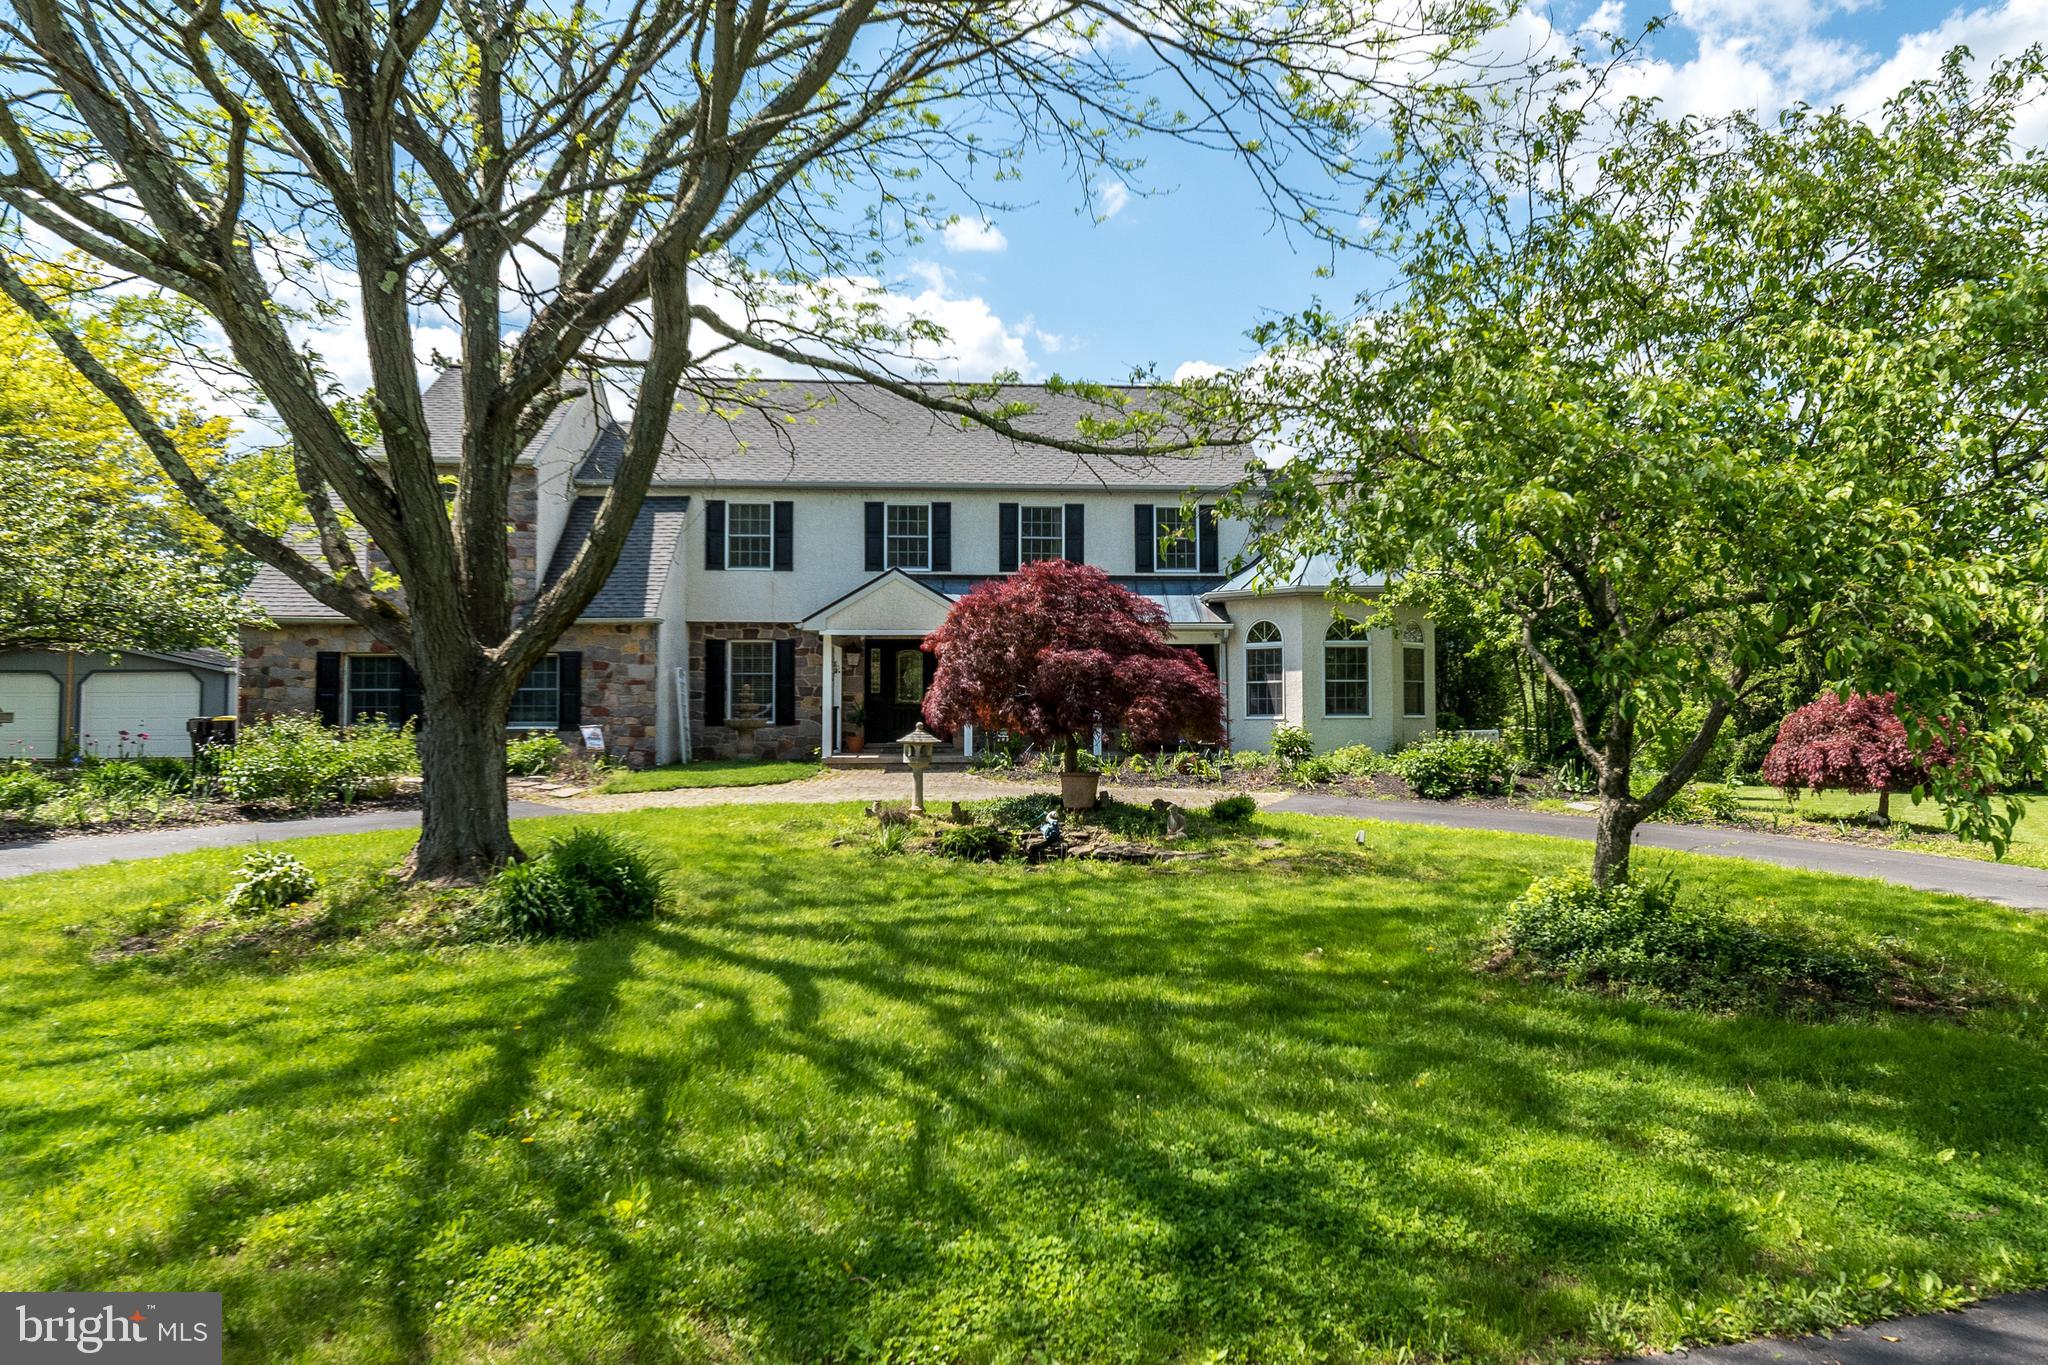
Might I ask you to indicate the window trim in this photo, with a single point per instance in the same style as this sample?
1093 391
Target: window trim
1420 649
554 721
1058 537
1192 540
1277 646
888 537
766 713
396 715
1346 636
766 537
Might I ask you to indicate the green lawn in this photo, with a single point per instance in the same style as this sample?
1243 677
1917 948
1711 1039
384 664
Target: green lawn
836 1106
1911 822
710 772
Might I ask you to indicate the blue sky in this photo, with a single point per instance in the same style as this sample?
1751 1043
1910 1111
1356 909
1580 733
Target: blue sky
1178 277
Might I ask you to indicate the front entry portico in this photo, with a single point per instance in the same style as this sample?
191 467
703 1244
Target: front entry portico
876 668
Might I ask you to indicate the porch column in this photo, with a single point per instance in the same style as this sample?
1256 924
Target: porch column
967 740
832 661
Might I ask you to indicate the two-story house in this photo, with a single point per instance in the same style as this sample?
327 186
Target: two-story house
794 553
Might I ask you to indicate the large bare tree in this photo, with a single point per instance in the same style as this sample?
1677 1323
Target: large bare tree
639 190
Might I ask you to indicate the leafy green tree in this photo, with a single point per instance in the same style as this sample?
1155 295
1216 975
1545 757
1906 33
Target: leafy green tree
96 549
1687 400
648 192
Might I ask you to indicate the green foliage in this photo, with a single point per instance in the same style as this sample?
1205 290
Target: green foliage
269 880
1441 766
975 843
1251 760
584 882
1702 801
23 786
1353 760
1290 743
296 760
1233 810
535 755
1643 939
1022 812
116 779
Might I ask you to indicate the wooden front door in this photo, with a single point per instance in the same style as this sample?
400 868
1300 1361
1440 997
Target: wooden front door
899 671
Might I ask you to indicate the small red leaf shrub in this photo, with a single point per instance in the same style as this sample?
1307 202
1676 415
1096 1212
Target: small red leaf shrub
1057 649
1856 744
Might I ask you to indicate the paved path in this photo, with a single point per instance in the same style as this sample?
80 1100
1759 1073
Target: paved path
2021 887
2024 888
2007 1330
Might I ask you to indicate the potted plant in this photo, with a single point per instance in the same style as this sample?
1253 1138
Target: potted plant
856 720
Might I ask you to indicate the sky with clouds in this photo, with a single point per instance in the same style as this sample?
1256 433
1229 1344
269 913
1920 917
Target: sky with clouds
1171 270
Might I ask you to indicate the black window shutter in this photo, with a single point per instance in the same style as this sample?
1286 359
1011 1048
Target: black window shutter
1006 537
714 682
327 686
714 534
942 537
409 707
785 536
1145 534
785 680
874 518
1205 534
569 695
1077 544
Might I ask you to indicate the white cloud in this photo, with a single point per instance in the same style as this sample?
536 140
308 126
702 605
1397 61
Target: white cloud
963 235
1110 198
1195 369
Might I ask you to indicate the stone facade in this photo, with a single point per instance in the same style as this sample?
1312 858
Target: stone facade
620 678
770 741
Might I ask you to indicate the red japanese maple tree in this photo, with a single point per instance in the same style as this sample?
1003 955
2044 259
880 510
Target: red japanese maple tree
1057 649
1856 744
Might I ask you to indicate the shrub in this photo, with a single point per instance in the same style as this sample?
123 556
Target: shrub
975 843
1233 810
1291 743
118 780
1356 760
297 760
23 787
535 755
269 880
1703 801
1251 760
581 883
1022 812
1445 766
1642 939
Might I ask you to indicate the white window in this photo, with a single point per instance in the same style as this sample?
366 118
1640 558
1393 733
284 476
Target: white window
908 536
537 705
750 535
1414 674
750 679
1041 533
1262 670
1173 531
375 689
1347 669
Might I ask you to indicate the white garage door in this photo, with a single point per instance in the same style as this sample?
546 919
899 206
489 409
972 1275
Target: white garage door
153 704
33 698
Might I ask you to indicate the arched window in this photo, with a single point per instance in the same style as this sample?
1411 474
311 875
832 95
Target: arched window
1347 669
1262 669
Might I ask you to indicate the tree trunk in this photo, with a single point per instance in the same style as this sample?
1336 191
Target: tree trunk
1884 805
465 832
1614 828
1073 756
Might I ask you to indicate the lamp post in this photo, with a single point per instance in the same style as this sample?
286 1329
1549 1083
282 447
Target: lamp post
917 755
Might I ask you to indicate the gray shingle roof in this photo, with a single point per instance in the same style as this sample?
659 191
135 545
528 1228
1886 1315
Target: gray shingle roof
816 433
633 592
286 600
1180 598
1313 573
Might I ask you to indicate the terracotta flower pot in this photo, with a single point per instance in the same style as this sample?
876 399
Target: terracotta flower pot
1077 790
855 743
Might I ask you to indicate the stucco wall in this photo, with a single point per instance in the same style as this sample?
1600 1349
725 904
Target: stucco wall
1303 621
829 543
